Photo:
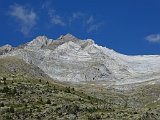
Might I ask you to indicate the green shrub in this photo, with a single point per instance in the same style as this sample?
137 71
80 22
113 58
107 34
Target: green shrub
1 104
14 91
94 117
11 109
6 89
67 90
48 101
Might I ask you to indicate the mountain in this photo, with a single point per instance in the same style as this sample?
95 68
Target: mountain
73 79
71 59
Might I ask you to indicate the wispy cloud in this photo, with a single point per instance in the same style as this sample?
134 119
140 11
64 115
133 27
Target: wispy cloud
153 38
94 27
25 17
57 20
90 20
92 24
54 17
47 4
84 20
77 15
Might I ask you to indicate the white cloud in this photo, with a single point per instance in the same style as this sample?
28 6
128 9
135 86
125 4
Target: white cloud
57 20
26 18
153 38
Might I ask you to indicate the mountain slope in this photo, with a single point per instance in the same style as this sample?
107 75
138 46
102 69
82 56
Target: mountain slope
29 98
17 67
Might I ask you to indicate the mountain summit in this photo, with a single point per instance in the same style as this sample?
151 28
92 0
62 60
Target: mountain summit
67 37
6 48
71 59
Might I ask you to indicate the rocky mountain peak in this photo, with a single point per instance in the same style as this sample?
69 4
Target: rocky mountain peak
38 42
68 37
40 39
61 40
6 48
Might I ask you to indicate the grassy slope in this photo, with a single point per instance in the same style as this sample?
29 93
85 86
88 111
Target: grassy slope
29 96
13 66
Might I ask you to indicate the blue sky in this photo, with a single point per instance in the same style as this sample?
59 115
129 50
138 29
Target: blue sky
128 26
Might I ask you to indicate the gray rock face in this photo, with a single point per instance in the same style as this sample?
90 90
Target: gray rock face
71 59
